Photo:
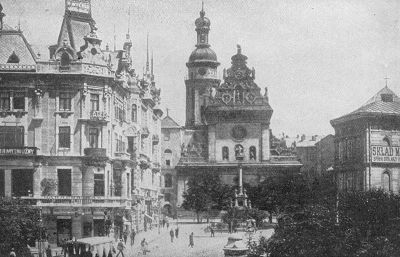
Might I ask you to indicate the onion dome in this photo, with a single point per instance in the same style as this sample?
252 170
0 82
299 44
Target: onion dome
202 21
203 54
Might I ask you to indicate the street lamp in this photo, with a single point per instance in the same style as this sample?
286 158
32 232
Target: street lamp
40 233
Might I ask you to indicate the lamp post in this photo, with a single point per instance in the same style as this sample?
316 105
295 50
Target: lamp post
40 246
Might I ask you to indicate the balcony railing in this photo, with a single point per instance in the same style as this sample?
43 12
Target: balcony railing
95 152
79 201
122 155
19 151
99 116
292 158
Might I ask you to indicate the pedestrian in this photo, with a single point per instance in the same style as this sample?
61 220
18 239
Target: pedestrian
212 232
171 233
133 234
48 251
163 223
191 242
125 236
144 246
12 253
120 247
176 232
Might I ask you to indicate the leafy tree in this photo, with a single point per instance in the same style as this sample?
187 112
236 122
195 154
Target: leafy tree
19 226
205 192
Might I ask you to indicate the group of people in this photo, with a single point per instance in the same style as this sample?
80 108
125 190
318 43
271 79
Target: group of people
172 234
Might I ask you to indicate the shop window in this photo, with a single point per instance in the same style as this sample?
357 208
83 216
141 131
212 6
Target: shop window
64 137
22 182
225 153
134 113
87 229
98 184
94 102
11 136
65 101
5 101
64 182
94 137
168 180
252 153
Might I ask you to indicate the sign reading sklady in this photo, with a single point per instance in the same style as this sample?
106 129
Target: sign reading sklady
385 154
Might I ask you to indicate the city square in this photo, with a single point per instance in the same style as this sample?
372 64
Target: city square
132 128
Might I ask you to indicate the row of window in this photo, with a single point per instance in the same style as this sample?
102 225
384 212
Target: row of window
12 101
349 148
239 152
120 144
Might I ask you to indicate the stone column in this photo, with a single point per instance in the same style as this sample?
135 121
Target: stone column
36 181
88 181
123 183
265 147
7 183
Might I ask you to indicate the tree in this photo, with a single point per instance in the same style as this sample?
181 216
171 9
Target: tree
205 192
19 223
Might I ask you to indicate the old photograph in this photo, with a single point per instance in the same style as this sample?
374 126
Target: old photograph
186 128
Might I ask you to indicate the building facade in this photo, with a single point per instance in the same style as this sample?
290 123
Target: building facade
367 145
227 124
79 133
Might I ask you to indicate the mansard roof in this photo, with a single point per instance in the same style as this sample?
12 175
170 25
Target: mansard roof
15 52
385 102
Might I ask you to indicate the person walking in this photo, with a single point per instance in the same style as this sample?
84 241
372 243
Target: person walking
191 242
48 251
133 234
171 233
176 232
126 236
144 246
212 232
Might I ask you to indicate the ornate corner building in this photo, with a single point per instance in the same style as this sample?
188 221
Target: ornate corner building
227 124
367 145
79 131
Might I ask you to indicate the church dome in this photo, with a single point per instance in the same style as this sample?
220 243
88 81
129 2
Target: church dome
205 54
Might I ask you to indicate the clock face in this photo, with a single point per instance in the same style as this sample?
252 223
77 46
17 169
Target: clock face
238 132
202 71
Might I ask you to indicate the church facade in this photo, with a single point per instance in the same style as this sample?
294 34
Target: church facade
227 123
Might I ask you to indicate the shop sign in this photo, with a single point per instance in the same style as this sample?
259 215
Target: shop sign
388 154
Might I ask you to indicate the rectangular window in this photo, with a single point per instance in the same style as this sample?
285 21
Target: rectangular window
64 182
2 186
166 136
5 101
21 182
11 136
64 137
168 162
94 138
65 101
134 113
98 184
19 101
94 102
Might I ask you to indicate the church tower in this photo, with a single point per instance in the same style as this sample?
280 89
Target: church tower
202 74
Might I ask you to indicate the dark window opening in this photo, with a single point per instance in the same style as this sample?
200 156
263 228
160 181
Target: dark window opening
94 102
167 197
65 102
252 153
13 58
134 113
21 182
65 60
98 184
168 162
64 182
19 101
387 97
64 230
239 152
2 188
225 153
64 137
11 136
168 180
5 101
117 183
238 94
93 138
87 229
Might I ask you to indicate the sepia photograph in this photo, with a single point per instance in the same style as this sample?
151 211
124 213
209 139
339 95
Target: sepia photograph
190 128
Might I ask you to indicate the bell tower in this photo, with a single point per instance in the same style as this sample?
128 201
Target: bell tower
202 74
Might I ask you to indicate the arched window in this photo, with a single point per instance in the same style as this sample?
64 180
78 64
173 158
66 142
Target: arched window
65 60
239 152
134 113
386 181
168 180
238 94
168 157
252 153
225 153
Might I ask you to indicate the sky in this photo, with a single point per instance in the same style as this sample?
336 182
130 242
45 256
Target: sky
319 59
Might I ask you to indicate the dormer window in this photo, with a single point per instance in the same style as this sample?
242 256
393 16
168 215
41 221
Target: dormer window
13 58
65 60
387 98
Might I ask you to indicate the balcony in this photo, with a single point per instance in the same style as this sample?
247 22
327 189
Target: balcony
18 151
95 152
79 201
99 116
122 156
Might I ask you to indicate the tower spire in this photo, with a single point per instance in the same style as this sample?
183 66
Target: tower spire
115 39
147 54
152 65
129 18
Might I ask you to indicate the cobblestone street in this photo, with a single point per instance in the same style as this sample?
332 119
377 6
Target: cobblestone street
204 245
